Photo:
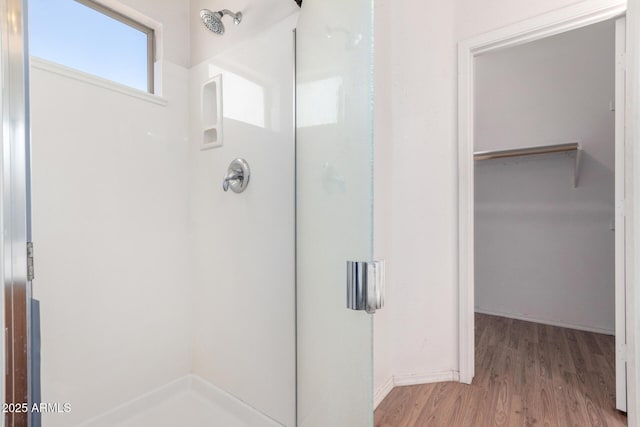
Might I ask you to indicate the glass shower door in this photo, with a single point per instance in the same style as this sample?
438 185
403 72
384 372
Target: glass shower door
334 209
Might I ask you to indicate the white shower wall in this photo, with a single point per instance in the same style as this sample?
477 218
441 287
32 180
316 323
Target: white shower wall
110 231
110 218
147 271
243 244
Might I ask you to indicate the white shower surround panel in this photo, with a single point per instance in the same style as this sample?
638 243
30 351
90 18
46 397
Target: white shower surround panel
243 244
109 174
119 162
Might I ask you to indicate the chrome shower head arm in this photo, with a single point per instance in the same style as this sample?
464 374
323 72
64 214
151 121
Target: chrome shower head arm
237 17
213 20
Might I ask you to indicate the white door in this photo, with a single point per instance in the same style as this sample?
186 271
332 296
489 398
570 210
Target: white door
621 199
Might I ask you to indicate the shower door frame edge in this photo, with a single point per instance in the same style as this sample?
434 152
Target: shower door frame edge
15 209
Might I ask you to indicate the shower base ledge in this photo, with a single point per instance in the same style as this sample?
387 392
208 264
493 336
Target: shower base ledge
188 401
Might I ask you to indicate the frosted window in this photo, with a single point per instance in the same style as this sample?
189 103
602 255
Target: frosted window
92 39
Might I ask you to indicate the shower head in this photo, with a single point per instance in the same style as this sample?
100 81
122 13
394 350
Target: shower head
213 20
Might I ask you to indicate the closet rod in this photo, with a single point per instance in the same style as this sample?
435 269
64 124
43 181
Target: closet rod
526 151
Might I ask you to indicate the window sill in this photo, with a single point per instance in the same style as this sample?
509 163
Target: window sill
52 67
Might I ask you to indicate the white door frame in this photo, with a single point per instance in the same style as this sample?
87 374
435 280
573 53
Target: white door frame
623 263
552 23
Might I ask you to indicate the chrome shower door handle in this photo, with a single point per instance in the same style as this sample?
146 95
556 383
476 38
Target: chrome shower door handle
237 177
365 285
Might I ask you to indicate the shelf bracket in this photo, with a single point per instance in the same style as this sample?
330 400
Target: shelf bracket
576 167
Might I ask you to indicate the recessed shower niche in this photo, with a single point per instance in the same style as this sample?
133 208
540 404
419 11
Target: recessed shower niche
212 113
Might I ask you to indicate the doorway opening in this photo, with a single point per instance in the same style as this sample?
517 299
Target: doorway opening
542 209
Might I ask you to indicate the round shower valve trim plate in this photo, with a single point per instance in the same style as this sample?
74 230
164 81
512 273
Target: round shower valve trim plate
237 177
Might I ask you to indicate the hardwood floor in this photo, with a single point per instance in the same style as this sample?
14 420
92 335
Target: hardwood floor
527 374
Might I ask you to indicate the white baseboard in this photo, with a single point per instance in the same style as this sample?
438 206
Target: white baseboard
427 378
189 383
561 324
382 392
412 379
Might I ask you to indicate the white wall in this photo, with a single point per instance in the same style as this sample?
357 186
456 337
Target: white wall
422 279
544 250
244 312
477 17
110 230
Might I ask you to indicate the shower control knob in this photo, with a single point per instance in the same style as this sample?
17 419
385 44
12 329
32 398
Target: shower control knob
237 177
